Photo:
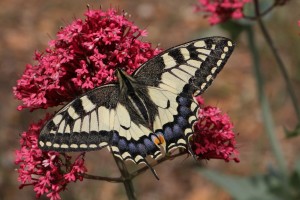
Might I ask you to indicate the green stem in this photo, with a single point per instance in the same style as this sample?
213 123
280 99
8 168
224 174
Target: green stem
278 59
127 179
266 113
263 13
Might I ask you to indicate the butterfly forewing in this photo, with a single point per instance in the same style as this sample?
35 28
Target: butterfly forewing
160 110
195 64
82 124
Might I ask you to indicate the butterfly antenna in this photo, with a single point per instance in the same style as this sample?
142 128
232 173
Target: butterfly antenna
152 170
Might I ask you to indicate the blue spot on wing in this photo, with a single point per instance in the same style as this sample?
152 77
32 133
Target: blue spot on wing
177 131
142 149
150 146
168 134
182 122
184 111
184 101
122 144
132 149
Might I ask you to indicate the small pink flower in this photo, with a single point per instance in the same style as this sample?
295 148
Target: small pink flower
214 137
54 194
45 170
219 11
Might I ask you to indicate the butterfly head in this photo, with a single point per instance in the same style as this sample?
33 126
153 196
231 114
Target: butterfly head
125 80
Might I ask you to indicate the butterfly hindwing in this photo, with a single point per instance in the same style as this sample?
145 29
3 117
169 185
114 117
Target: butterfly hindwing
183 71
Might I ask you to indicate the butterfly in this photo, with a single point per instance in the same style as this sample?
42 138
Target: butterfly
143 114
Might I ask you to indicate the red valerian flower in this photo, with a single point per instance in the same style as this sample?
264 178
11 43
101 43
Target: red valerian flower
48 172
84 55
221 10
213 136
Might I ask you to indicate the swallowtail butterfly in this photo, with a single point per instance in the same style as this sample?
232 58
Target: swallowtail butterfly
152 109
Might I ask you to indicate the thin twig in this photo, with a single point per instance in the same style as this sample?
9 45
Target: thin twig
127 178
278 59
265 107
102 178
265 12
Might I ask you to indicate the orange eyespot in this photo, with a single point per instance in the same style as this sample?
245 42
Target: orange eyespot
158 139
161 138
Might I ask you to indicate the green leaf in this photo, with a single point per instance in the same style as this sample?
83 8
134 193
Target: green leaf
295 181
293 133
233 28
247 188
297 166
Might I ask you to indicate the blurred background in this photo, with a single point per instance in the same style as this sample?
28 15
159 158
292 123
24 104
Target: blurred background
28 25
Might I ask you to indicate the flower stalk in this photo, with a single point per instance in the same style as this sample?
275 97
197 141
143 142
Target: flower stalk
103 178
127 178
278 59
265 107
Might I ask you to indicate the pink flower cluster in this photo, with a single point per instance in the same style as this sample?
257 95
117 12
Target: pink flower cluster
84 55
221 10
214 137
48 172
